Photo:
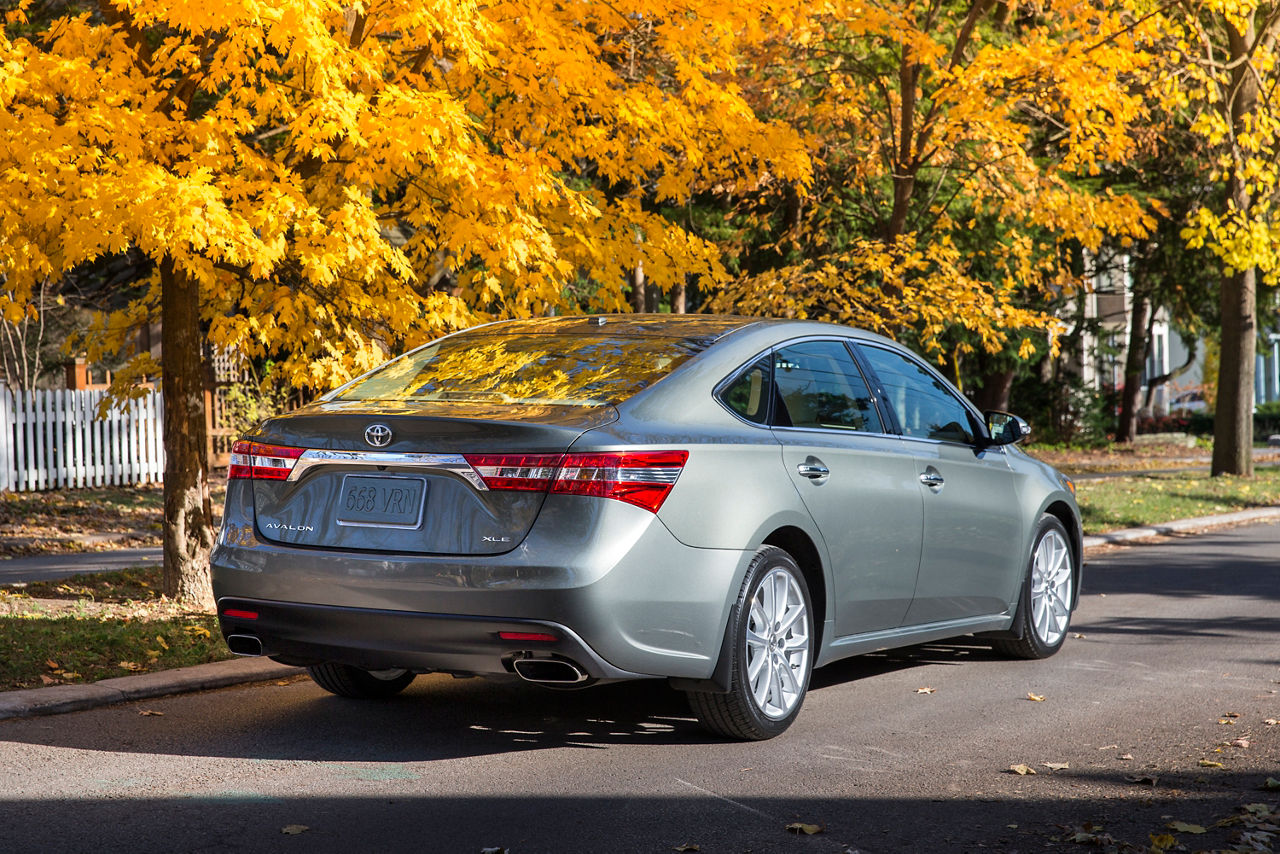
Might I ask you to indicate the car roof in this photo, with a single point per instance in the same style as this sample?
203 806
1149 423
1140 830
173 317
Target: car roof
705 326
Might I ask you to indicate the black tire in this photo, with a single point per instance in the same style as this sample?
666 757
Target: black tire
1043 631
739 714
347 681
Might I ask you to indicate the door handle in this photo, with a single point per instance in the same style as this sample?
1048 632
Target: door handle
813 471
930 478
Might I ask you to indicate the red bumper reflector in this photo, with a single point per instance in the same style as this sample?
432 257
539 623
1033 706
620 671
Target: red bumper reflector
527 636
237 614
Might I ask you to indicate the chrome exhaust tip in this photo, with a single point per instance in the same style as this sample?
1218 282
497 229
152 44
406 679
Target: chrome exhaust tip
244 645
549 671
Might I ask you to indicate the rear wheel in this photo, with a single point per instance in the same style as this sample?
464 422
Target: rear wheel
772 625
1045 608
347 681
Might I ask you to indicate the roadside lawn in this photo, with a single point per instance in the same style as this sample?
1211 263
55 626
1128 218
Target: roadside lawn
97 626
101 625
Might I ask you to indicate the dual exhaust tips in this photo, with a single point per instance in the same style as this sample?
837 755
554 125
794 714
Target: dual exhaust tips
540 671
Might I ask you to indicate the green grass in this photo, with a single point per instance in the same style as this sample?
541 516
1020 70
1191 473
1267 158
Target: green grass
97 626
1133 502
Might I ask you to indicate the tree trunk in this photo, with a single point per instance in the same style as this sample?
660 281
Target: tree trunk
188 514
994 394
1233 416
638 288
1135 358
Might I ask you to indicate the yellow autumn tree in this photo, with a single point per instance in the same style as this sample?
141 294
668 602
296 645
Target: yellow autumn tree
961 151
324 182
1219 70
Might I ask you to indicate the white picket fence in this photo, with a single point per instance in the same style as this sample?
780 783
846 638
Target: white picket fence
55 439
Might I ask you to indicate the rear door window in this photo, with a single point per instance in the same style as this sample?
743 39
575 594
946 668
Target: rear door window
819 386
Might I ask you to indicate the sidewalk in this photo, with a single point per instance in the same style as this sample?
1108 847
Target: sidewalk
70 698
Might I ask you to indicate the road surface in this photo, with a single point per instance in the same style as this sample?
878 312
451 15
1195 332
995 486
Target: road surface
901 752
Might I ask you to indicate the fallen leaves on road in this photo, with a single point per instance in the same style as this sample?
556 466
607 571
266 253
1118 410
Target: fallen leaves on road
1184 827
1078 636
294 829
150 713
1035 698
1240 742
926 690
1272 785
1022 769
799 827
1143 779
688 846
1209 763
1056 766
1127 757
1230 714
1272 721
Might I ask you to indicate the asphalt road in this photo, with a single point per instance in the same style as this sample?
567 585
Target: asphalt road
1180 655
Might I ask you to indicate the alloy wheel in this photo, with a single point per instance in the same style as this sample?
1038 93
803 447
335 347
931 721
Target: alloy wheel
777 644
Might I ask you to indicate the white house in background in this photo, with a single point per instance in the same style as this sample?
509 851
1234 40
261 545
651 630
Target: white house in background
1101 356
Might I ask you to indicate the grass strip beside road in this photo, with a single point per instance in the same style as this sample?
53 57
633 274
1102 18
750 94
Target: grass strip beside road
1108 504
98 626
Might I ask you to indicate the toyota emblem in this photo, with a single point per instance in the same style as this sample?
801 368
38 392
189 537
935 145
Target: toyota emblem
378 435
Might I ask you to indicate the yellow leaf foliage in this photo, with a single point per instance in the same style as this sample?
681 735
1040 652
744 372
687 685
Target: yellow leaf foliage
346 180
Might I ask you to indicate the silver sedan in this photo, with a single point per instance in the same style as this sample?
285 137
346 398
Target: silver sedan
722 502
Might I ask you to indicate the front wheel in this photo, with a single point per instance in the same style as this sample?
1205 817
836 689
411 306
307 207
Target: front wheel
1045 607
772 647
347 681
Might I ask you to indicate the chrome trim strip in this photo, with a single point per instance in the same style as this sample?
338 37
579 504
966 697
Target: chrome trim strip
452 463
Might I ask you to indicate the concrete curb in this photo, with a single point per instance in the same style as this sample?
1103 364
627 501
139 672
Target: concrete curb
1257 514
58 699
72 698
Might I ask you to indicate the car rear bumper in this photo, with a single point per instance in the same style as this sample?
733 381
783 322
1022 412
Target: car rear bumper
626 596
380 639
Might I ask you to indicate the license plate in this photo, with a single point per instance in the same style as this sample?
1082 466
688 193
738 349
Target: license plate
381 502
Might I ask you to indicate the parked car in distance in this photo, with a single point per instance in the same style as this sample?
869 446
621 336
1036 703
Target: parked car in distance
722 502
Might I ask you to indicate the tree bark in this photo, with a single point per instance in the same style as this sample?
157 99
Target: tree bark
1233 416
1135 358
188 513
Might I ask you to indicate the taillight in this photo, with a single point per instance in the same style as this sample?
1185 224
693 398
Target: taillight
642 478
524 472
262 462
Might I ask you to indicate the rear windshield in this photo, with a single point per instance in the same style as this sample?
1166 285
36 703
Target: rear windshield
568 370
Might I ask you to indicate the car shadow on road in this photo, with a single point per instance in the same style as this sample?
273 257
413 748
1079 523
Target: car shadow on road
436 718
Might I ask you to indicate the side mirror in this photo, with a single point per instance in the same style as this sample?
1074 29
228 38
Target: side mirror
1006 429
